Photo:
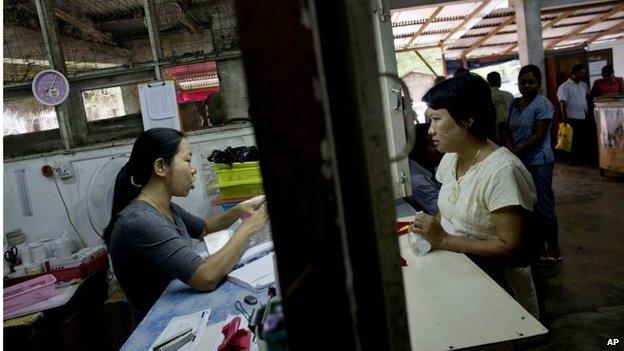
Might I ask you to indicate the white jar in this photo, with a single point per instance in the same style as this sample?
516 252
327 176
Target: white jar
47 243
38 252
23 251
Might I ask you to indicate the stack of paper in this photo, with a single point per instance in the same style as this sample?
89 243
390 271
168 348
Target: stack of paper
255 275
196 322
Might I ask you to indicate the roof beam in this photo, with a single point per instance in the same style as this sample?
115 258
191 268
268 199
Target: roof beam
615 28
489 35
82 23
473 18
424 25
576 31
547 25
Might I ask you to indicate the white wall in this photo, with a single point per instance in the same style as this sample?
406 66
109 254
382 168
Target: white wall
49 218
618 54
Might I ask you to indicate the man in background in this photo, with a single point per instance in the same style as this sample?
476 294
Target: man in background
423 161
572 96
501 100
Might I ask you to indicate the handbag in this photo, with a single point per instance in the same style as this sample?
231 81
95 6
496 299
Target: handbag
564 137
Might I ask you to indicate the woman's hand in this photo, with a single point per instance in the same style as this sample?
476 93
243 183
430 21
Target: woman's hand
257 221
248 207
430 228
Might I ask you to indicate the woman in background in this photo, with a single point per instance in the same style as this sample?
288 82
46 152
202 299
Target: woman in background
528 136
149 237
486 191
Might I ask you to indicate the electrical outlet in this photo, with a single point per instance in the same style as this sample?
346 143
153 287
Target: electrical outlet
65 170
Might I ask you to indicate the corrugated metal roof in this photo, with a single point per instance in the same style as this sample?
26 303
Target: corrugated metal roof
453 15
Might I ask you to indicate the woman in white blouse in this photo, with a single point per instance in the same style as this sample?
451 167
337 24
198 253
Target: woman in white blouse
486 191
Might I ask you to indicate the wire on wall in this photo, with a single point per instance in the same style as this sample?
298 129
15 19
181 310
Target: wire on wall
68 216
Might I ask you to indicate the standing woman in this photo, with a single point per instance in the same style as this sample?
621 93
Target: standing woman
149 237
486 190
530 118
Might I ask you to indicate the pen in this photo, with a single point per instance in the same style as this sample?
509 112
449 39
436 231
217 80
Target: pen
184 332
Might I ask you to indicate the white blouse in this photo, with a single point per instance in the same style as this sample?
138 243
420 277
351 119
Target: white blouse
498 181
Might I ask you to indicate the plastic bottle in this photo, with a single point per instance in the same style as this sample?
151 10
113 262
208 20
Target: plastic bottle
419 245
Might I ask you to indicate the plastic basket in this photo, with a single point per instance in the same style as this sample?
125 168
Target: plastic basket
29 292
80 271
241 190
228 175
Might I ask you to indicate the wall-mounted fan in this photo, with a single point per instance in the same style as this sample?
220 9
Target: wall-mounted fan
101 192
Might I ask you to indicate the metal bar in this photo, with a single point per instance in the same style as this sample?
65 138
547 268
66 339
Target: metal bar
154 35
425 62
488 36
49 30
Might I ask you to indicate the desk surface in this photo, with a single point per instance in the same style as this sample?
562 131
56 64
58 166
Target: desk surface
452 304
180 299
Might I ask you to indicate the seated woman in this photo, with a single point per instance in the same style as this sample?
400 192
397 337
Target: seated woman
149 237
486 190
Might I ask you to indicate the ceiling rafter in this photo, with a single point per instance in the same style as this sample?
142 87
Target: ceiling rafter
576 31
492 33
465 21
615 28
546 25
424 25
74 16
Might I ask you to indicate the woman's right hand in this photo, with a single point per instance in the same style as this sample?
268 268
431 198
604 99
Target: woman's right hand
257 221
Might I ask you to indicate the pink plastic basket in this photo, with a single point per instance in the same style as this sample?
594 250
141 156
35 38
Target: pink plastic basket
29 293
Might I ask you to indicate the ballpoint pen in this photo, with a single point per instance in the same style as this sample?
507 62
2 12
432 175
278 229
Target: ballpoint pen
176 341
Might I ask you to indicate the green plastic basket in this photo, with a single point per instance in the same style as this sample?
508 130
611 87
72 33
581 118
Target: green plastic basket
247 172
244 189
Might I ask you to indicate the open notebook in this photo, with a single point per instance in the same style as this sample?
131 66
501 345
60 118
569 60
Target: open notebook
254 270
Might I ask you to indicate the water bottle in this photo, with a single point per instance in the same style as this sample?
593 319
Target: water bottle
419 245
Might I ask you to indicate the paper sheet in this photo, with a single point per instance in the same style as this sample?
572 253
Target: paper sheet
196 321
255 275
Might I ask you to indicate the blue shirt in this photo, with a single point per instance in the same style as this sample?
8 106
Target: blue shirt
424 189
522 126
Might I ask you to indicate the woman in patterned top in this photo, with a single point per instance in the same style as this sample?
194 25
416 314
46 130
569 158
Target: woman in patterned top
528 136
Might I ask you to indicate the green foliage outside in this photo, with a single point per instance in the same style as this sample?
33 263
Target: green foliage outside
408 62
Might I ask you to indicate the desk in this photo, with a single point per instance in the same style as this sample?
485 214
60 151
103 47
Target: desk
453 304
180 299
450 302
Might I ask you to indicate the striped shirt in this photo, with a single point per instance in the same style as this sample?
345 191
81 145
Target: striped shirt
575 96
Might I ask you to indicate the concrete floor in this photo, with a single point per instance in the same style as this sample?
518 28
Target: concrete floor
584 294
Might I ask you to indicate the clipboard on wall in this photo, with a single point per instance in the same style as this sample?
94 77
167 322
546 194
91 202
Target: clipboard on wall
159 107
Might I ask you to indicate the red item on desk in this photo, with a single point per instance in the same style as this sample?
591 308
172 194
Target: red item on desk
402 229
235 339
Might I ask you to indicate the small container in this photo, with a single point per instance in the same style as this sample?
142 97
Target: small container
47 243
38 252
61 248
418 244
23 251
15 237
34 268
18 271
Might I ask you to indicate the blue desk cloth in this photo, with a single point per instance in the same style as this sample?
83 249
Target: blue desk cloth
180 299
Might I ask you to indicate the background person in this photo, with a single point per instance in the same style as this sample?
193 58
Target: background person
149 237
608 85
530 118
501 100
572 95
486 190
